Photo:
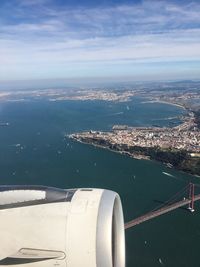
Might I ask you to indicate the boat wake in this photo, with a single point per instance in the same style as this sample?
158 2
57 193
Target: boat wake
168 174
172 176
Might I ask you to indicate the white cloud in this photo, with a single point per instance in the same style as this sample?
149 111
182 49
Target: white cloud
151 32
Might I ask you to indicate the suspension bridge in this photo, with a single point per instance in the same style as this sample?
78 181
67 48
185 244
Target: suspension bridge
188 198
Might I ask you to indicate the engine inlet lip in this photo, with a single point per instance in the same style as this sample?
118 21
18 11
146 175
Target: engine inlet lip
110 214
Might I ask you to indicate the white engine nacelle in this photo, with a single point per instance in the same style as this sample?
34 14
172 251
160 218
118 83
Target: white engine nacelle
45 227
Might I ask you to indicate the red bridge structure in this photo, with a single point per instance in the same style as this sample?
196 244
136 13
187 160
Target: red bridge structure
170 205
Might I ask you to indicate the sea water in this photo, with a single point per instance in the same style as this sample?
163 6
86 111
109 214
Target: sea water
34 150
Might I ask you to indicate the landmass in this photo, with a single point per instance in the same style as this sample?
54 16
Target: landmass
68 94
177 147
185 94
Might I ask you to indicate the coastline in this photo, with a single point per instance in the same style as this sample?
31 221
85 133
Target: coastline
178 158
152 143
165 102
122 152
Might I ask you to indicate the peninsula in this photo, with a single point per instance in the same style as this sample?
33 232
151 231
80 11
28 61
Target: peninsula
178 146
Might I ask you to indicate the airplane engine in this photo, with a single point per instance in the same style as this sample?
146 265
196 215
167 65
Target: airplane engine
47 227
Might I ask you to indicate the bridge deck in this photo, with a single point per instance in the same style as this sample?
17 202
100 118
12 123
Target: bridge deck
159 212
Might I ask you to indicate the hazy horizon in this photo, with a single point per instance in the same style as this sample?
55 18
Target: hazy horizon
77 83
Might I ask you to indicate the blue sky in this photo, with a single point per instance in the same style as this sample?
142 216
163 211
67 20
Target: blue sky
139 40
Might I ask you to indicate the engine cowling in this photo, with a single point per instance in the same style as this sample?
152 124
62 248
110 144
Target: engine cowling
43 226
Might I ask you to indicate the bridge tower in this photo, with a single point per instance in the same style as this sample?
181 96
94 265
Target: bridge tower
191 197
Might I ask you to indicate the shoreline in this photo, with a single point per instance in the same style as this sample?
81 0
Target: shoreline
178 156
179 159
122 152
165 102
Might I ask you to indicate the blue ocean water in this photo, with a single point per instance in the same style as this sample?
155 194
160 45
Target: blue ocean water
34 150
